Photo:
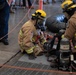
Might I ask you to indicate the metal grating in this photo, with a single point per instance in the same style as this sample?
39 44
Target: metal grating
16 71
11 71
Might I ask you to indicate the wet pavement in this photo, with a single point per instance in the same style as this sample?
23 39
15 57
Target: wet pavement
11 55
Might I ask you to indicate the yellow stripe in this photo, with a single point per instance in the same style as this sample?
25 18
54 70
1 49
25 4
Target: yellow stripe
30 50
75 34
74 46
43 41
21 34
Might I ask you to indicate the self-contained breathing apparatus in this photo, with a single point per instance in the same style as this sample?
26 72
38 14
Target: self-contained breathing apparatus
61 54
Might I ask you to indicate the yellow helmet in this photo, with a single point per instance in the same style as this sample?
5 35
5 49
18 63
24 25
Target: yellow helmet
68 5
39 14
68 0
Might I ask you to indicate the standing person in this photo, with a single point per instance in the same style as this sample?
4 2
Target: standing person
30 38
24 3
37 1
4 17
29 4
69 10
53 1
46 1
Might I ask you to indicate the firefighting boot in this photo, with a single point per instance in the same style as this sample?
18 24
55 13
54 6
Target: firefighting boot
32 56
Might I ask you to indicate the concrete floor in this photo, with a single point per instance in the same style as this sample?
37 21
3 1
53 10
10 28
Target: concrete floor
18 19
10 54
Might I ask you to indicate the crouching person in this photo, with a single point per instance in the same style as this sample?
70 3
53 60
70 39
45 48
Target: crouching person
28 39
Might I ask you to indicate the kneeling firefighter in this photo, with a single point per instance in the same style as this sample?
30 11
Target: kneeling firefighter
69 10
30 37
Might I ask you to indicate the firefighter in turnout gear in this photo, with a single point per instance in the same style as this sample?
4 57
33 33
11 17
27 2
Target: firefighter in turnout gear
30 37
69 10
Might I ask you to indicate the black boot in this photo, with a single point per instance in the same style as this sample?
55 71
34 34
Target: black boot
32 56
5 41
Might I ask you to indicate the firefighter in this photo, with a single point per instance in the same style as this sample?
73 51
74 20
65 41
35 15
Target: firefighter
30 37
69 10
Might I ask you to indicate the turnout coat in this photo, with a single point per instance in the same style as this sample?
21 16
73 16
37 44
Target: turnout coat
26 35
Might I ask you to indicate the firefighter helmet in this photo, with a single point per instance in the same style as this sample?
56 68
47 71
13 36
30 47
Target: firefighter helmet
40 14
68 5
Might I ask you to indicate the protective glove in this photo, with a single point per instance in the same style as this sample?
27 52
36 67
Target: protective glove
61 32
62 36
46 45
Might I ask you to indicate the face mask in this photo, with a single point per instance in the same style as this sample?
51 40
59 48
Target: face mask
41 25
